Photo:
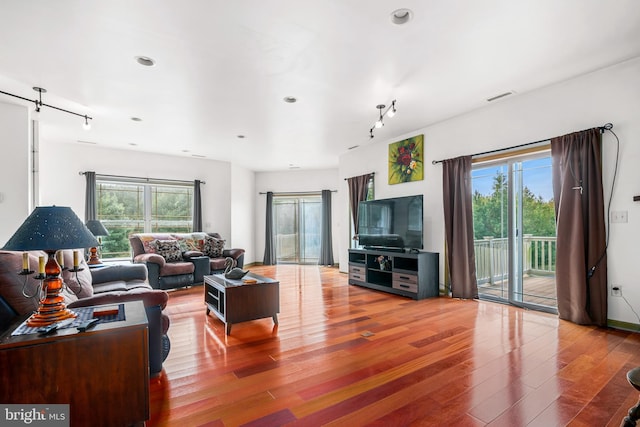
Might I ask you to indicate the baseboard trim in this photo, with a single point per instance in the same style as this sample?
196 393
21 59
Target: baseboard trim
257 263
625 326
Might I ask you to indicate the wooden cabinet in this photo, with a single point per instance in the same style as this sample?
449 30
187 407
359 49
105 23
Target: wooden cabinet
102 374
414 275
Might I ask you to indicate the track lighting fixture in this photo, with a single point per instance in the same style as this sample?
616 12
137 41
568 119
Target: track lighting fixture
39 104
389 112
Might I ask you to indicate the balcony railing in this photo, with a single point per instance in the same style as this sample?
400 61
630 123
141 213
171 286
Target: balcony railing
492 258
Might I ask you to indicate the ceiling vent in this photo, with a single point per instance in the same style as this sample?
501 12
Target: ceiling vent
502 95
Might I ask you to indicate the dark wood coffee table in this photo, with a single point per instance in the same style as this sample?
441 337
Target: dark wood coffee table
233 301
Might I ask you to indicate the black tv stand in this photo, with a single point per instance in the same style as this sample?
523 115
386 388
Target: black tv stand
410 274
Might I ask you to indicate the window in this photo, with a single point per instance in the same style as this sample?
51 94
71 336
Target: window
136 206
514 230
297 221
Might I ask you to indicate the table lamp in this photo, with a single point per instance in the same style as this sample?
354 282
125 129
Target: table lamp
48 229
97 229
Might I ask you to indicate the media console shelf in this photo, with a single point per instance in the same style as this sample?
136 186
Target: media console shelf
413 275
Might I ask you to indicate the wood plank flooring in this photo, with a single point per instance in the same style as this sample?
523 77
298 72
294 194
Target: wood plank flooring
348 356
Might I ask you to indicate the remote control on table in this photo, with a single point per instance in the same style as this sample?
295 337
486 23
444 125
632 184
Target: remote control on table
49 329
87 324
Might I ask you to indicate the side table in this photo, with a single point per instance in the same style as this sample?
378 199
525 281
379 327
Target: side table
234 302
102 373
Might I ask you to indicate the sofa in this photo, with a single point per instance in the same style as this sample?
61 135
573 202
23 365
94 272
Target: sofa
177 260
109 284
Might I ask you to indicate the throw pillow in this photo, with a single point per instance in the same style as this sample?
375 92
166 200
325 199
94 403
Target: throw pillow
198 237
187 243
147 244
168 249
212 247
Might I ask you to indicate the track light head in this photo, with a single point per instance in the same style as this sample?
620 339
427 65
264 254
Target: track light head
86 125
392 109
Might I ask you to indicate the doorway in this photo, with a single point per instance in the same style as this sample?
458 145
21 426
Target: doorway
297 222
514 231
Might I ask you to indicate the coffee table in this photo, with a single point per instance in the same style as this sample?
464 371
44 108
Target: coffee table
233 301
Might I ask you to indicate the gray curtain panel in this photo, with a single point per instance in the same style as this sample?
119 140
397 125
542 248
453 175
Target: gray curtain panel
326 247
269 247
197 206
90 210
581 262
458 226
357 193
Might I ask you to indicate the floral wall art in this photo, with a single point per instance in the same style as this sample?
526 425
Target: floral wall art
405 160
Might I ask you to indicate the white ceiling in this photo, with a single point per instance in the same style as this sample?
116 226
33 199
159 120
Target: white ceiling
224 67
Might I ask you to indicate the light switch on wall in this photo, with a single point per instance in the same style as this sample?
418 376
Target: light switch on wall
619 216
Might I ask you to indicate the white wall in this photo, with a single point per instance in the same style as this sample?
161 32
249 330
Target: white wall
15 169
243 212
295 181
62 185
608 95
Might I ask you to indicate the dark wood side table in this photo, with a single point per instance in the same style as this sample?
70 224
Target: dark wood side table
102 373
234 302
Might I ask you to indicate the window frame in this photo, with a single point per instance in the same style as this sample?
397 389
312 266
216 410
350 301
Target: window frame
150 223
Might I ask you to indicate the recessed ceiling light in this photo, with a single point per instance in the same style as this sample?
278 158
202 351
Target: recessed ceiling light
401 16
87 142
241 137
185 151
290 99
198 155
146 61
136 119
352 147
133 144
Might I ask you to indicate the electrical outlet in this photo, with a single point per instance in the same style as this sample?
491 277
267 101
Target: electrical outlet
616 291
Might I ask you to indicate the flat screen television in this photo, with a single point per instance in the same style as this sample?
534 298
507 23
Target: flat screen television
391 223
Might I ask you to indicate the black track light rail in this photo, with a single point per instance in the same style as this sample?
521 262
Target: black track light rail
39 103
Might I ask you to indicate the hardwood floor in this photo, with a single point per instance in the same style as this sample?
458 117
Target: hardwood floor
345 355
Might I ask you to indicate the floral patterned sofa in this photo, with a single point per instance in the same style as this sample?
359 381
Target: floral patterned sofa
176 260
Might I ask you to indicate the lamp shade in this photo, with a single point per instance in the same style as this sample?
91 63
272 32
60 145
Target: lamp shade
50 228
96 228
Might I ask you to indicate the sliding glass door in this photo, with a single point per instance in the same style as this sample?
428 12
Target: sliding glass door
297 222
514 231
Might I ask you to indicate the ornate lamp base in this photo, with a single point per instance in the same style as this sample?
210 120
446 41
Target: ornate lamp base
93 257
52 307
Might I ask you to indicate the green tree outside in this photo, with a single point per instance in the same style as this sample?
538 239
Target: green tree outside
491 214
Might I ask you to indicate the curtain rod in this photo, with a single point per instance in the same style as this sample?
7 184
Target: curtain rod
370 173
607 126
143 179
297 192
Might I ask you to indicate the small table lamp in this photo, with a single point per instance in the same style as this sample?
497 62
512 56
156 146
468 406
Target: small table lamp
97 229
48 229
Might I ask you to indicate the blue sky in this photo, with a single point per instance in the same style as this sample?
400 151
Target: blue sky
536 173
